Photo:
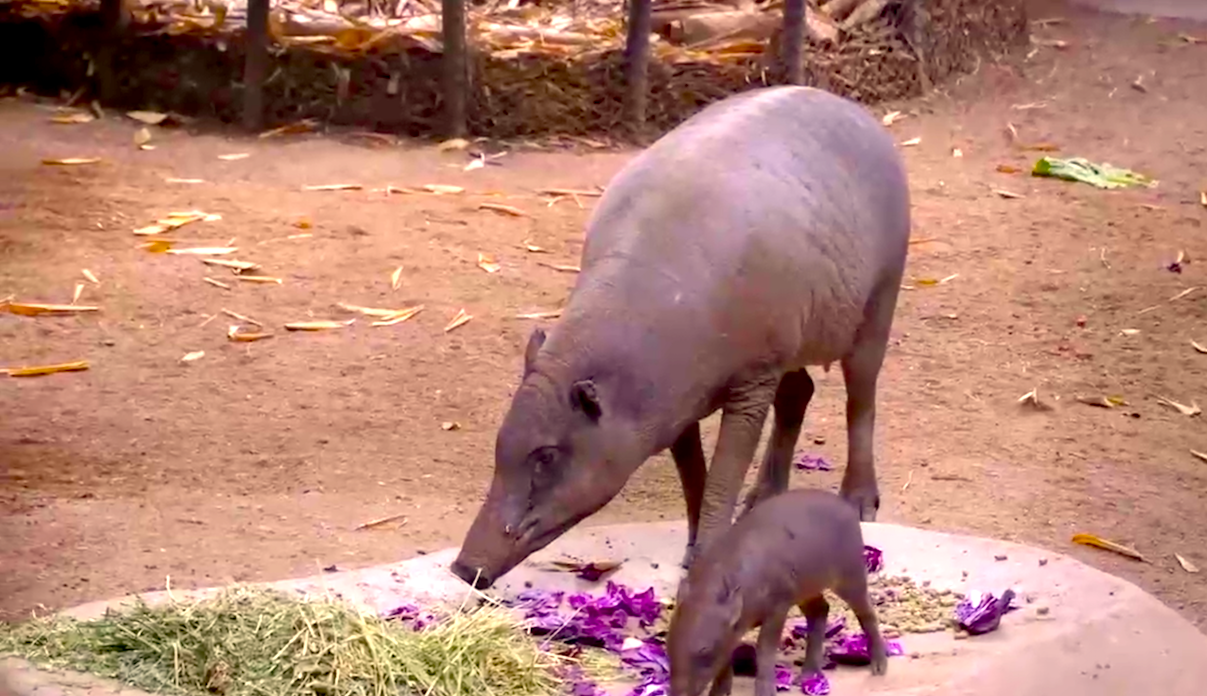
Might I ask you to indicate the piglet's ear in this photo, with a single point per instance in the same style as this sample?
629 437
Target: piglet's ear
584 398
535 341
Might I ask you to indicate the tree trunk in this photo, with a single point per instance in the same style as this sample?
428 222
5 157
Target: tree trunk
115 17
637 63
255 65
455 68
792 41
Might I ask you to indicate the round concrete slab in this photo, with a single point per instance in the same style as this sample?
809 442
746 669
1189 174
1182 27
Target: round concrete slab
1079 631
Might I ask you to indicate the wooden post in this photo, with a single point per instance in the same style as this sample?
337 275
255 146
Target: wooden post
255 66
115 18
792 40
455 66
637 63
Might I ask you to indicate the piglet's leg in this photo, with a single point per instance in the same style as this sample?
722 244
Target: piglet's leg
723 684
768 644
855 593
817 611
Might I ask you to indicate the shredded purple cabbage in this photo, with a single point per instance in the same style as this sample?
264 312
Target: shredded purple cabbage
799 630
812 462
982 614
597 620
783 678
873 558
815 684
411 615
853 650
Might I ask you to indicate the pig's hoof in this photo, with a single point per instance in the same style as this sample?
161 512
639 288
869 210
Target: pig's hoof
688 556
879 665
866 501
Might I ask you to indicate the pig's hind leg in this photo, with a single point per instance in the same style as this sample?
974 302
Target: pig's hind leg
723 683
855 593
817 611
765 651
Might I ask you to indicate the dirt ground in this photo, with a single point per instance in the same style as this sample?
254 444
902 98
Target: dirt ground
257 461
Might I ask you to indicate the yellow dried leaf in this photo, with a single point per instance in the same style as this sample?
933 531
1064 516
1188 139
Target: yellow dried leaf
1186 565
47 369
399 317
1200 455
453 144
142 136
565 268
534 249
450 425
151 118
1197 346
303 224
90 276
234 334
234 156
571 192
1007 194
369 311
1192 410
195 355
460 319
237 266
1008 169
1091 540
68 161
1102 401
157 246
260 279
1129 332
1203 198
487 263
79 290
217 283
240 317
891 117
33 309
333 187
173 180
205 251
551 314
74 118
504 209
912 142
151 230
396 278
318 325
442 189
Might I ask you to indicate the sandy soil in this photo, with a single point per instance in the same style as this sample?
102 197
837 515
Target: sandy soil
258 460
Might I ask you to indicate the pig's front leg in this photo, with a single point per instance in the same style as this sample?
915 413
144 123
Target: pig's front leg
723 684
765 651
688 453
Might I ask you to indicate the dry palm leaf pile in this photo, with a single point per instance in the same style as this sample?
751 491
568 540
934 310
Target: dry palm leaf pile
539 67
246 641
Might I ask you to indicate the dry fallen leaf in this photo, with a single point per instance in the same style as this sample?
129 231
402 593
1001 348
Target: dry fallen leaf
237 266
1129 332
551 314
534 249
460 319
234 156
1008 169
398 317
1007 194
234 334
240 317
90 276
217 283
74 118
173 180
891 117
369 311
318 325
79 290
565 268
1191 410
380 521
1200 455
333 187
151 118
1031 399
1091 540
571 192
504 209
205 251
912 142
396 278
1102 401
67 161
1197 346
157 246
260 279
33 309
475 163
957 152
195 355
1186 565
47 369
442 188
487 263
1203 198
450 425
142 136
453 144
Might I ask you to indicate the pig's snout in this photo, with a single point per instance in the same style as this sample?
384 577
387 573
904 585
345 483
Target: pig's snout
472 575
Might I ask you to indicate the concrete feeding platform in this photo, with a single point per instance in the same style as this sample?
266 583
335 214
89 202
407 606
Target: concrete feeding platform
1078 631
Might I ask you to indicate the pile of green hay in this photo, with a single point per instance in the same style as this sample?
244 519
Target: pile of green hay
245 642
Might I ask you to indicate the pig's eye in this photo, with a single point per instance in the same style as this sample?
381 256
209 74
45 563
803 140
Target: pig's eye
544 458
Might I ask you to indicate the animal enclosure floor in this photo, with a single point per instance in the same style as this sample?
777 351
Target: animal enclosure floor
258 460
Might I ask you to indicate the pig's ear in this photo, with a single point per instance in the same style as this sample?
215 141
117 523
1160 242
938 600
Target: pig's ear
585 398
535 341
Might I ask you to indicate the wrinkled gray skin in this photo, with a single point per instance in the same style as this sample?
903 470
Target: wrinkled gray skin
782 553
765 234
